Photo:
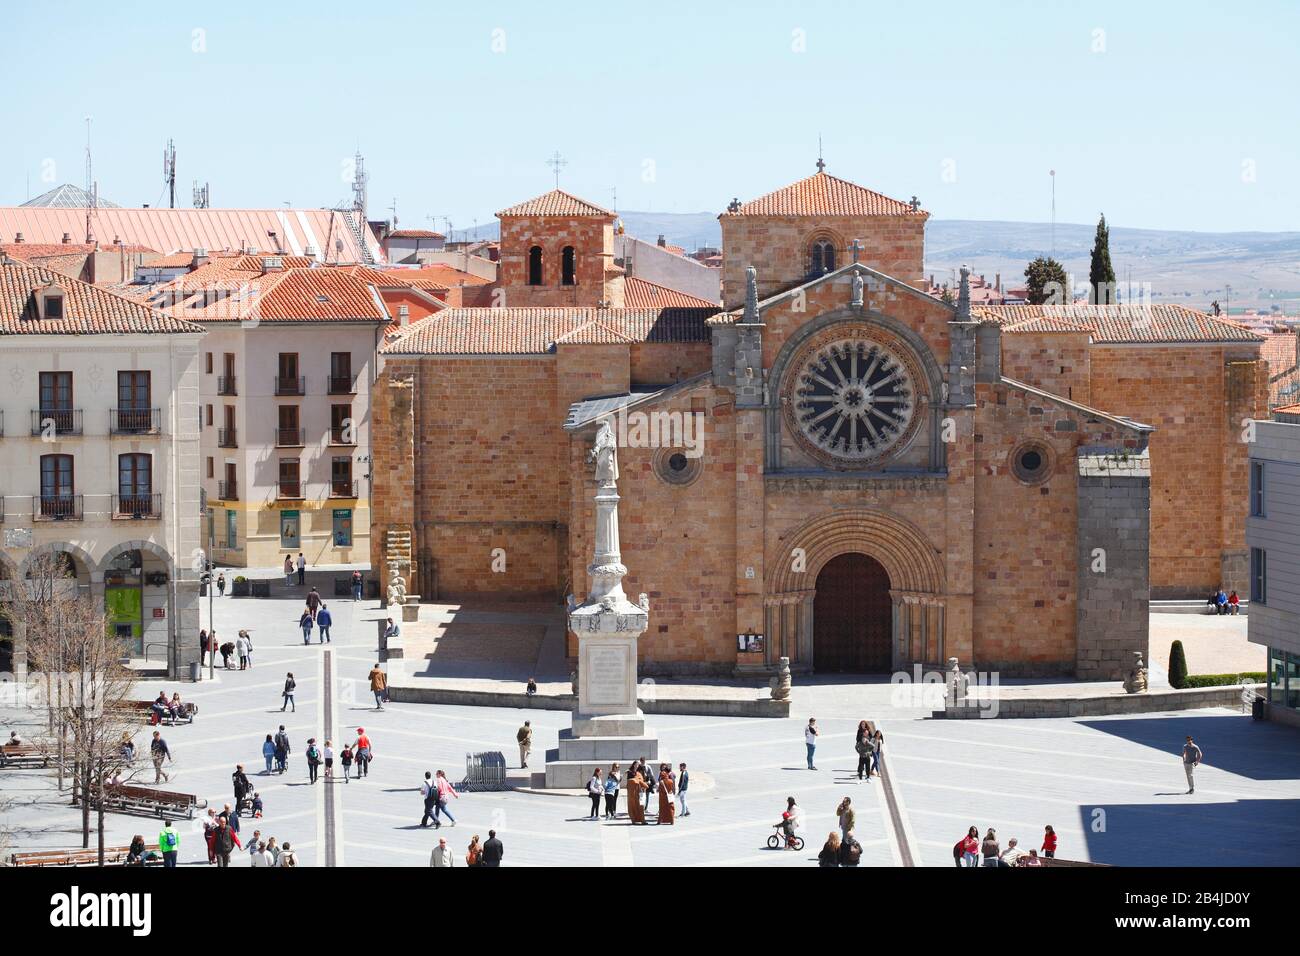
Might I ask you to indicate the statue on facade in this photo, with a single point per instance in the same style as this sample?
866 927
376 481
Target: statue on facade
605 454
857 290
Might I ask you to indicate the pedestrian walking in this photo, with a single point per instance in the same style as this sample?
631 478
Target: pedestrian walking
595 790
429 792
258 854
493 850
159 751
474 853
810 741
442 855
221 584
356 585
288 571
313 759
667 811
169 842
1191 760
290 685
345 758
323 621
683 781
287 856
362 753
862 744
314 602
224 842
445 792
268 752
612 781
204 648
1049 842
248 639
239 783
524 737
378 685
877 746
302 569
329 760
846 815
241 650
850 850
306 621
282 750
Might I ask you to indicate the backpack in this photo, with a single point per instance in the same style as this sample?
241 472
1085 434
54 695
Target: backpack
957 850
313 755
168 841
854 851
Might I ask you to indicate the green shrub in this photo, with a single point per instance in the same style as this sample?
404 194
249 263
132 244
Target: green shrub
1177 666
240 579
1221 680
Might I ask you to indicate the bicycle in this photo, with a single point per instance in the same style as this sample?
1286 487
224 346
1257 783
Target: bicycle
791 842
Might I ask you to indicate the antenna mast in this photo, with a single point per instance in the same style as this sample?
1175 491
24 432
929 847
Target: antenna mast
90 184
359 180
169 170
201 195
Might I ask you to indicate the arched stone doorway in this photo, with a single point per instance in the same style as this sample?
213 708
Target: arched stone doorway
852 615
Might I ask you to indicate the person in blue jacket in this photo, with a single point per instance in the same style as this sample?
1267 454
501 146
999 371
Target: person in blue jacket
323 621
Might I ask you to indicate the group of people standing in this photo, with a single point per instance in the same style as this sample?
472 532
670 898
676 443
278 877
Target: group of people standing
317 615
842 848
642 782
970 850
476 854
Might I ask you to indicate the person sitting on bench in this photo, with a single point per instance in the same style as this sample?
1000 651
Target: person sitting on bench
139 854
1221 602
14 740
160 707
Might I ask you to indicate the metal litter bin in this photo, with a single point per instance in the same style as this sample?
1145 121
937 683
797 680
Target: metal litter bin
485 771
196 671
1258 707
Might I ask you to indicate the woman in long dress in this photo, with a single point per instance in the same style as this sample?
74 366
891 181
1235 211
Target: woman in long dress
635 787
667 810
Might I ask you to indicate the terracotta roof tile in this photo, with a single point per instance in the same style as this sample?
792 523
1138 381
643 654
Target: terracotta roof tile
1127 324
295 295
415 234
1046 323
1279 349
88 309
822 194
536 331
557 203
641 294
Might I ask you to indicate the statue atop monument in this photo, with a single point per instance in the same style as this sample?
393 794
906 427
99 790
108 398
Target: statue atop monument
604 452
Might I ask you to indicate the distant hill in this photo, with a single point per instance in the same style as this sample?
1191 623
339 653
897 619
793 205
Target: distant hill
1263 268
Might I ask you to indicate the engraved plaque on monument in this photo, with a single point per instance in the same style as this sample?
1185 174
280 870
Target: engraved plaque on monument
609 676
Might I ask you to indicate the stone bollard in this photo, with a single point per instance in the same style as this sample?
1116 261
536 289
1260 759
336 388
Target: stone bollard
1136 682
956 684
782 681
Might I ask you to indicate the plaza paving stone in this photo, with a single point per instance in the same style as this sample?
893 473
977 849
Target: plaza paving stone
1013 775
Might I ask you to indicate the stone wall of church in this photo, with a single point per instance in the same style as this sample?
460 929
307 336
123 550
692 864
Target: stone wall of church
779 248
593 243
663 364
677 541
1056 362
1197 458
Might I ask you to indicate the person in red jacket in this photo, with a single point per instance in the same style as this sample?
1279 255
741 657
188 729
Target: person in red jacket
362 752
1049 842
966 852
1234 603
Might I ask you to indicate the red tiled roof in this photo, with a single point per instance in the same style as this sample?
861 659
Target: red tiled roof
1279 349
45 250
641 294
557 203
822 194
536 331
415 234
295 295
176 260
1128 324
1046 323
87 309
438 276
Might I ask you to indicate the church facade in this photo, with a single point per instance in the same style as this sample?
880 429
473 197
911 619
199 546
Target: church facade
833 466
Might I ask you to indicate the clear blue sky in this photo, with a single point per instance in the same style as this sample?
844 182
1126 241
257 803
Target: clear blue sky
678 106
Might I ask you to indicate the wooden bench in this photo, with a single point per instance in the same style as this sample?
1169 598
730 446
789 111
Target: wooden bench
23 755
113 855
188 710
145 801
1054 861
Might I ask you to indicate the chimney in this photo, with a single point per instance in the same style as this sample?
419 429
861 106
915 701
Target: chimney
997 282
662 241
18 237
403 315
200 258
272 264
67 238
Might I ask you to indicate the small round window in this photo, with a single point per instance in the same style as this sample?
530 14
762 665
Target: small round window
1032 463
674 467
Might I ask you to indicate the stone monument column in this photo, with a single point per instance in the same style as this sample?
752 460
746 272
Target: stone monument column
607 723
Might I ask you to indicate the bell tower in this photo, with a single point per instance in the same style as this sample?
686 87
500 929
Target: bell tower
558 250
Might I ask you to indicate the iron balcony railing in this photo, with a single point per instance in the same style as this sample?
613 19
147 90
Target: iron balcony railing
134 421
58 421
228 490
290 437
343 488
226 438
290 386
290 488
226 385
342 385
138 507
342 435
56 508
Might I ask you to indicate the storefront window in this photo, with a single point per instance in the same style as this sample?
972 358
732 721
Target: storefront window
289 530
232 529
124 599
343 527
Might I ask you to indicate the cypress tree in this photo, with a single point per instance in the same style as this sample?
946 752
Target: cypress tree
1177 666
1101 275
